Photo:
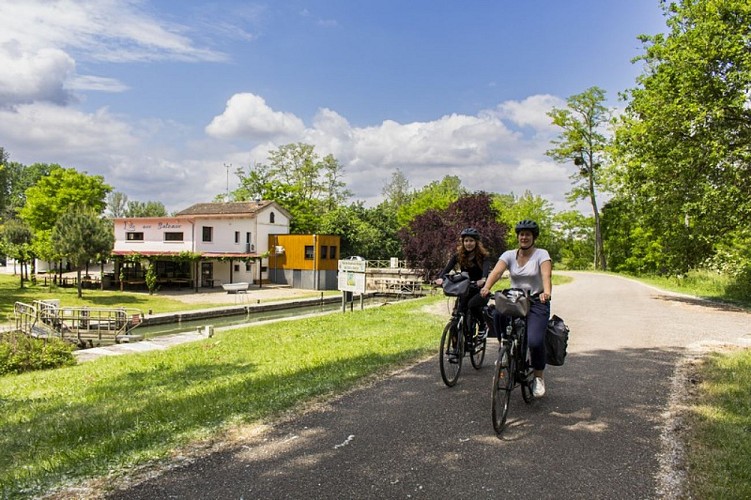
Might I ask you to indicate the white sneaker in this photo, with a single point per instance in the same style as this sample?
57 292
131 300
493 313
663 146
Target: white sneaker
538 387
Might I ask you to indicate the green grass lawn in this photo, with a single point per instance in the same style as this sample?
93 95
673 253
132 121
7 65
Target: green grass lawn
10 293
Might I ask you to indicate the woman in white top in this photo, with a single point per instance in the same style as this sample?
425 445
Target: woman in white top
530 269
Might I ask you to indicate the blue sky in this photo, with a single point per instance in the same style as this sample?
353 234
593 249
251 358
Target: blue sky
159 96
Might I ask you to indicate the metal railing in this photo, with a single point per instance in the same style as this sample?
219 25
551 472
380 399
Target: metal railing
84 326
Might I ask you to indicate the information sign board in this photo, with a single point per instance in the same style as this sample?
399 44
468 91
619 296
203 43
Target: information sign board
351 277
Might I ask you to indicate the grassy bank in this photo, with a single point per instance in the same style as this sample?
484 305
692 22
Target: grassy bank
116 412
718 435
705 284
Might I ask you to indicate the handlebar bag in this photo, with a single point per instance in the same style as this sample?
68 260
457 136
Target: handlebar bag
456 285
512 302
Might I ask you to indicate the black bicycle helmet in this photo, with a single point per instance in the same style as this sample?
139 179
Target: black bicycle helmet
528 225
471 232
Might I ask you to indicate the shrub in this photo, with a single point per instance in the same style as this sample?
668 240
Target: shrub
20 353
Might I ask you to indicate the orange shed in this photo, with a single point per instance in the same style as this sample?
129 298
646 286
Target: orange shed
308 261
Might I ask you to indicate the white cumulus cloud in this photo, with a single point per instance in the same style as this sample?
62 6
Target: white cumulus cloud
42 40
248 116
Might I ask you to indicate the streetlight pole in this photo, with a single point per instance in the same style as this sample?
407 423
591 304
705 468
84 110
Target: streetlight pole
226 199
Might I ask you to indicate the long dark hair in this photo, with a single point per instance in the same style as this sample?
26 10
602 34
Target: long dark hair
480 253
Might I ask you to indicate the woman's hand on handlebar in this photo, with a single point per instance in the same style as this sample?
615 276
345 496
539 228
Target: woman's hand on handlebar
438 281
484 292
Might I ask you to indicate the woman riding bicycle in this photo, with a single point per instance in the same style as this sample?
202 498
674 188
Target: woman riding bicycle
472 258
530 269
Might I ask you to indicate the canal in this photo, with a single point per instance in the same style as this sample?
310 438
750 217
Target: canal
166 324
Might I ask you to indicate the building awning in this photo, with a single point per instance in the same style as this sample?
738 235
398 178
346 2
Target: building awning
222 255
204 255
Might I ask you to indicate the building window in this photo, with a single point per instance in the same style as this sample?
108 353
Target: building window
237 237
324 249
173 236
207 233
271 217
309 252
332 252
236 267
247 266
135 236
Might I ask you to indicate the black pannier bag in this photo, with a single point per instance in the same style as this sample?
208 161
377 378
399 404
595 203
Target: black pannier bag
556 341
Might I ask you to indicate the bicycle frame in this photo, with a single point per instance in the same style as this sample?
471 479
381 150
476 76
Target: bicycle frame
457 340
512 370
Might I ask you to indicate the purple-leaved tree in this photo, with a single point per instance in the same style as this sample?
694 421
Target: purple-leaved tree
431 238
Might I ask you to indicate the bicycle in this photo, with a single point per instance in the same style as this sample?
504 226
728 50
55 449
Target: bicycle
460 335
513 367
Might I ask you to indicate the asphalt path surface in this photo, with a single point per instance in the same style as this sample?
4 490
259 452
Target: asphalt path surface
599 432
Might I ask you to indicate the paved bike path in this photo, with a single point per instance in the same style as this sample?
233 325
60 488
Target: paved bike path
596 434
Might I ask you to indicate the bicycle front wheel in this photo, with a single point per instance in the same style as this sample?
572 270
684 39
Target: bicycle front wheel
477 354
525 377
451 354
503 383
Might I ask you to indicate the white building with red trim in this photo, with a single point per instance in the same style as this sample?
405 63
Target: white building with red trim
205 245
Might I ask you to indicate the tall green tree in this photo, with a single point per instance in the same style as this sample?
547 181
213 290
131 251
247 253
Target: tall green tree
574 236
437 195
60 190
81 236
16 179
297 178
583 144
368 232
53 195
4 182
684 141
397 190
117 203
145 209
512 209
17 240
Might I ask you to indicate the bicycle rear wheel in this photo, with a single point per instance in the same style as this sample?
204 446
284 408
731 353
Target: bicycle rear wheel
503 383
451 354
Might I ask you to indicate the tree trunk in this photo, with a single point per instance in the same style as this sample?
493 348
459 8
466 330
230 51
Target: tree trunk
599 247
